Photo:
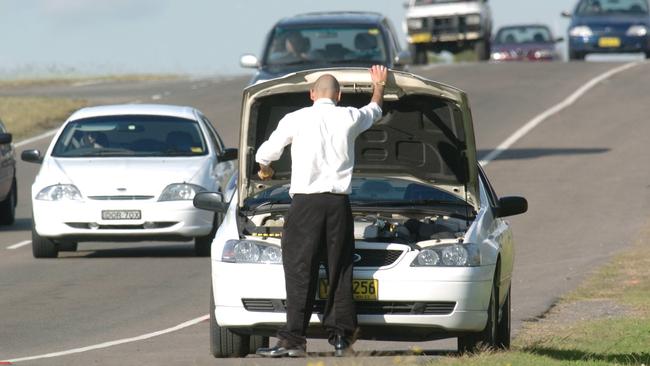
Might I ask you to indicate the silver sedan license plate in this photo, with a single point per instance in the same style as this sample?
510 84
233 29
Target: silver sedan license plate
121 215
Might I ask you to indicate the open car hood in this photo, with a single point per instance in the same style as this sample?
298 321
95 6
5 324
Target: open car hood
426 132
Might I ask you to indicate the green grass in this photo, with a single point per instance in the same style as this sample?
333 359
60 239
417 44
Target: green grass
68 80
619 338
29 116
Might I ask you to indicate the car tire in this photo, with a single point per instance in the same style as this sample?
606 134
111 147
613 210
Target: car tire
482 49
647 54
487 338
256 342
503 327
43 247
8 206
223 342
576 56
419 53
203 244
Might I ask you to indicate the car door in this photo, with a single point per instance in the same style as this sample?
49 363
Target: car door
7 165
222 170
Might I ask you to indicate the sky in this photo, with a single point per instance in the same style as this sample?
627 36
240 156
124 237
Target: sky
197 37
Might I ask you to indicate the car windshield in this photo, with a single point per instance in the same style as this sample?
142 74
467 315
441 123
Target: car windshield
608 7
523 34
325 45
369 192
130 136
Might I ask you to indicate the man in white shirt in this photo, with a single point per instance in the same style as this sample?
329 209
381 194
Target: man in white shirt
319 220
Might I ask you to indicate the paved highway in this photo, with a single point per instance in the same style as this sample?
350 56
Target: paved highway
582 169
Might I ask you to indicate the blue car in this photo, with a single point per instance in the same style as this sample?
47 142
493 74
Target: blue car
609 26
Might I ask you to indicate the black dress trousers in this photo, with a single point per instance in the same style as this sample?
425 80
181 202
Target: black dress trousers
318 226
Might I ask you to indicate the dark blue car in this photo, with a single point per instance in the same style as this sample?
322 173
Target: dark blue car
609 26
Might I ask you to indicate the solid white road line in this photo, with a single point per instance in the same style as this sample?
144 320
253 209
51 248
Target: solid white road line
530 125
113 343
35 138
18 245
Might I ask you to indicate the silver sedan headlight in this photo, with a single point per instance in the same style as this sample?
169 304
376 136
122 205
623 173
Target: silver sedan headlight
59 192
180 192
456 255
251 251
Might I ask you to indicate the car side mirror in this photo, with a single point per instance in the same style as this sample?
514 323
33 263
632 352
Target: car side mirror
249 61
32 156
403 58
228 155
211 201
559 39
510 206
566 14
5 138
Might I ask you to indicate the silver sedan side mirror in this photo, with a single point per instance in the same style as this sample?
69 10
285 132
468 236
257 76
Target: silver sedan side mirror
249 61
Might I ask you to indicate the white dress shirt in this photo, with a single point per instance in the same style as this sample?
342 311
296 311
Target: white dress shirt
322 145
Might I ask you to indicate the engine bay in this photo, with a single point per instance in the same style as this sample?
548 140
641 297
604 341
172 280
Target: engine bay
383 227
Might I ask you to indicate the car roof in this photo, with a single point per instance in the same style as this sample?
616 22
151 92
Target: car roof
136 109
338 17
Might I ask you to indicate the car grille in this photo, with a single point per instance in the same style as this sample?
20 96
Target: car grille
120 198
447 25
363 307
376 257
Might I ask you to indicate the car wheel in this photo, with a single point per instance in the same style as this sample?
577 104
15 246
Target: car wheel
482 49
503 328
486 339
67 246
256 342
577 56
223 342
43 247
647 54
202 244
419 53
8 206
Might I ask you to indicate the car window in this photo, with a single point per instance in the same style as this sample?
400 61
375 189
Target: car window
325 44
524 34
607 7
492 196
213 135
2 128
131 136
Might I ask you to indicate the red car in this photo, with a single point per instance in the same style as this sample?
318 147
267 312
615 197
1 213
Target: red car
531 42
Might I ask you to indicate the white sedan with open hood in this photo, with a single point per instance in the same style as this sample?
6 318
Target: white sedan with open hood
128 173
433 257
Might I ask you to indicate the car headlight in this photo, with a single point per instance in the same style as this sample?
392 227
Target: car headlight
415 24
581 31
473 19
637 31
59 192
456 255
250 251
542 54
180 192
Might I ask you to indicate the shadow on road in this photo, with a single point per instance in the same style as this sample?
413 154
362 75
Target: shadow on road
21 224
521 154
578 355
173 251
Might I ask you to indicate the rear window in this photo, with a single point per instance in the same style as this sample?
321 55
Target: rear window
523 34
607 7
131 136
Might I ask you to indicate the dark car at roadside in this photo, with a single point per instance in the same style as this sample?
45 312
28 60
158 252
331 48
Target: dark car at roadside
327 39
526 42
8 186
609 26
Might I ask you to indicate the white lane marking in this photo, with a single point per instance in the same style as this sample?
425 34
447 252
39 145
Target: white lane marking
18 245
186 324
35 138
521 132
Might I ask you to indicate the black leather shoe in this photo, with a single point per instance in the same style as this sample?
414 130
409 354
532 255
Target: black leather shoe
342 346
281 351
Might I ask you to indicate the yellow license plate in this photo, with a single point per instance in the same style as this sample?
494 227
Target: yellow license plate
609 42
420 37
363 289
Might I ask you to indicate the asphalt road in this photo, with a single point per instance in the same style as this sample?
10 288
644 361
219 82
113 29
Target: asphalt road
583 170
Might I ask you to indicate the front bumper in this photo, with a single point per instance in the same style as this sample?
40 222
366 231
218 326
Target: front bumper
82 220
606 43
467 289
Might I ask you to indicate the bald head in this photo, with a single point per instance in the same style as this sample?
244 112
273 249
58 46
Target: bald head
326 87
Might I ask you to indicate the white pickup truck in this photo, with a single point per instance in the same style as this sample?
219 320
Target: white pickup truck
451 25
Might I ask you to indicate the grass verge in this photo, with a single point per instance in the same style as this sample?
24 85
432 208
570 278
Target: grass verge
14 83
605 322
28 116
